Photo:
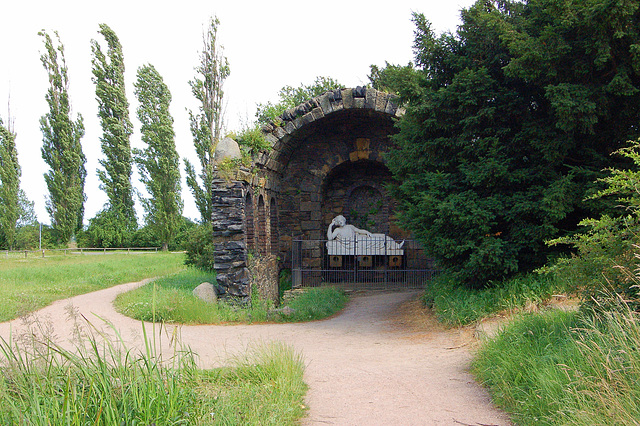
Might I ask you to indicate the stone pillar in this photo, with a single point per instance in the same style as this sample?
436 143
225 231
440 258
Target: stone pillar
230 254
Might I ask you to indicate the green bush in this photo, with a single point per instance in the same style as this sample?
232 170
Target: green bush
106 229
146 237
606 249
199 247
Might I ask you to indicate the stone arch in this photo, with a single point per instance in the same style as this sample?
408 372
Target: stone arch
249 222
344 129
274 230
262 241
296 124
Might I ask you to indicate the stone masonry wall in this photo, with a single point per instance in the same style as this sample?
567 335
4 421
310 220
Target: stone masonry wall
327 158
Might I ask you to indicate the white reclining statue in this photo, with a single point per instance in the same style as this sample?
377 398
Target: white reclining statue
346 240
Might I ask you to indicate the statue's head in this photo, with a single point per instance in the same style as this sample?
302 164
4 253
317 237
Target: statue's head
340 220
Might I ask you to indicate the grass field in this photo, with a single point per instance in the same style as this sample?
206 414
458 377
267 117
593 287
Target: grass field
30 284
170 299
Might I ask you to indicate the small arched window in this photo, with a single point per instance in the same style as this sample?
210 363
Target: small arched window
249 227
274 227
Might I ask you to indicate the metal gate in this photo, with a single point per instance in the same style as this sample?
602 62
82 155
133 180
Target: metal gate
360 264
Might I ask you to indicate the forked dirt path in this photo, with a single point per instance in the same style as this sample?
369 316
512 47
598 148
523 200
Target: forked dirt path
380 362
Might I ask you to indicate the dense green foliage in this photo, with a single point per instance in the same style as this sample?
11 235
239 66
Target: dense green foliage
158 163
199 247
560 368
61 148
113 111
9 187
99 235
607 247
30 284
509 122
206 125
291 97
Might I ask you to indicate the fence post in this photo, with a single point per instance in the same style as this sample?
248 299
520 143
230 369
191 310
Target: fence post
43 254
25 254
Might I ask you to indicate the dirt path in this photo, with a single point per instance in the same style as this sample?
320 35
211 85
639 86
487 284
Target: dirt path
380 362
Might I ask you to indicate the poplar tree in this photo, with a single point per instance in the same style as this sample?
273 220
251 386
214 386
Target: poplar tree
9 185
61 148
206 124
158 162
113 111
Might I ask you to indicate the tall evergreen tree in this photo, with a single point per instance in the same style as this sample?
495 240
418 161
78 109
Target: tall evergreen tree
9 186
158 163
509 122
206 125
61 148
108 76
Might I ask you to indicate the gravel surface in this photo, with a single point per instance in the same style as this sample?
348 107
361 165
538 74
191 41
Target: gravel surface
382 361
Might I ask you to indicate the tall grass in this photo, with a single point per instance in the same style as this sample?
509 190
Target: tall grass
30 284
566 368
101 381
263 388
455 304
170 299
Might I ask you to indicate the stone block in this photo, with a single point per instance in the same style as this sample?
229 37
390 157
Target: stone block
309 206
392 105
370 98
325 104
279 132
317 113
347 98
381 102
227 148
290 127
307 225
359 102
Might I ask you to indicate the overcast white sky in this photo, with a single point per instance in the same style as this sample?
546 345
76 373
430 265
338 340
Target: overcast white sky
269 44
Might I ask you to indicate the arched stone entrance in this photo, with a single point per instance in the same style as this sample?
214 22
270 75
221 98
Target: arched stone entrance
327 158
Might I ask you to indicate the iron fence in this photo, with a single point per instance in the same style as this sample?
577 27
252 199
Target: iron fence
360 264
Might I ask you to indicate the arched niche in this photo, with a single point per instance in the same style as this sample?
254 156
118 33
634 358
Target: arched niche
262 242
274 229
357 191
249 222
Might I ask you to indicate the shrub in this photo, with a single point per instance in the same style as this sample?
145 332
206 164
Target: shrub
605 249
199 247
107 229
